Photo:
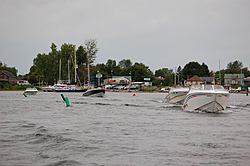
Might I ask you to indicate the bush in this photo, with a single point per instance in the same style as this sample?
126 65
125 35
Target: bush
149 90
6 86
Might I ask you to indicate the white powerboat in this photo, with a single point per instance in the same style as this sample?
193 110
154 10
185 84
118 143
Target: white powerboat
176 95
31 91
208 98
47 88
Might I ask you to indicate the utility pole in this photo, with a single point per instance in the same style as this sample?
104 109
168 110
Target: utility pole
60 70
88 70
175 76
68 72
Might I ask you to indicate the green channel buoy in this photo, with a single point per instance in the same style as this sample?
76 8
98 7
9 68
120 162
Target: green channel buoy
63 97
24 94
67 101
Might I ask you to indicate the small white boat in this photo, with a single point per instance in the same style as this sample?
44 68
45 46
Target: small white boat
47 88
31 91
208 98
176 95
96 92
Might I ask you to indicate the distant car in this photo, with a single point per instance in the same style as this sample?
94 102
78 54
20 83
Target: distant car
134 87
108 86
120 87
126 87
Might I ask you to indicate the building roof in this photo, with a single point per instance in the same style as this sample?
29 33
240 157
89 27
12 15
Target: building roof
195 78
236 75
127 77
9 74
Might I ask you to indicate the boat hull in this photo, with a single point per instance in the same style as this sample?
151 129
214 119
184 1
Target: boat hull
176 96
70 90
47 89
94 93
206 101
31 91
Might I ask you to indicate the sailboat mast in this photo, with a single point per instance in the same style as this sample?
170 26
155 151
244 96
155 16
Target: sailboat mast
68 72
60 69
75 61
241 73
175 77
88 71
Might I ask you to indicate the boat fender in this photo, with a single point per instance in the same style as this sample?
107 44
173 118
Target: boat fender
24 94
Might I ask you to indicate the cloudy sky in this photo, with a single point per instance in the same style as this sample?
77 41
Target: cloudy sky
158 33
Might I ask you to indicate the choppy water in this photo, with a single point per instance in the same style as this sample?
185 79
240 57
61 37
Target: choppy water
120 129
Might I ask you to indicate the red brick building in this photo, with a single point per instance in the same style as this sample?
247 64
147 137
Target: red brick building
6 76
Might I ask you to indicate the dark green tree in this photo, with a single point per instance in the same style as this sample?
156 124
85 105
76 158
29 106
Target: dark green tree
81 56
205 70
194 68
125 63
235 65
163 72
138 71
160 72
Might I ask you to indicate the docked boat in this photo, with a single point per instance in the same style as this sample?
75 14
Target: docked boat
31 91
176 95
96 92
208 98
70 88
48 88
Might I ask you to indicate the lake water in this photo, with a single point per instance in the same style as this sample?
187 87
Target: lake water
120 129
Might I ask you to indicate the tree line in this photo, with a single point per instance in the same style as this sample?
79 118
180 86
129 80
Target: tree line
46 67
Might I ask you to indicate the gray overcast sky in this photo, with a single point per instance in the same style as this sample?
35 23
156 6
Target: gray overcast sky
158 33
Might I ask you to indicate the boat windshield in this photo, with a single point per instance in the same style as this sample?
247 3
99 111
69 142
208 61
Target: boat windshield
196 87
208 87
31 89
218 87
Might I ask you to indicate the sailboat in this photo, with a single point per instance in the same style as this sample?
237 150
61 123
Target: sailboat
68 87
94 92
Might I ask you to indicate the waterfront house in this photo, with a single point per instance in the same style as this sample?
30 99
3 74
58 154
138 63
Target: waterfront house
199 80
236 79
23 82
6 76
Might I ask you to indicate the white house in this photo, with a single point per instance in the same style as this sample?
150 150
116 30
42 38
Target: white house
23 82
